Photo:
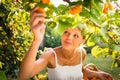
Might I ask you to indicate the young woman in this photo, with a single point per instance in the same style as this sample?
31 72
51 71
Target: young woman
65 62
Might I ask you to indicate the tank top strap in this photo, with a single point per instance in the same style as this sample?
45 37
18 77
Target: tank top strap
56 61
81 55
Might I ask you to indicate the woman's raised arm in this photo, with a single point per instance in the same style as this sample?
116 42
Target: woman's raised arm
29 65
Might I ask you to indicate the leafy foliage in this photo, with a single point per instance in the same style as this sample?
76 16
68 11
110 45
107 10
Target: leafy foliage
15 36
2 75
52 38
102 29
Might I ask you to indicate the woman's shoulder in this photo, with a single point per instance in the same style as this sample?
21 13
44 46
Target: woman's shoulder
50 52
50 55
83 51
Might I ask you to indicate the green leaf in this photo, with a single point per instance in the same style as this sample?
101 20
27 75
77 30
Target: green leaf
42 5
116 47
97 6
62 26
95 38
103 30
85 12
89 43
96 51
118 39
116 31
62 9
51 24
36 1
87 3
95 12
2 76
1 14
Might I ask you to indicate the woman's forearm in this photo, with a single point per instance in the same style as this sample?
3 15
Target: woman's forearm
97 74
27 64
90 73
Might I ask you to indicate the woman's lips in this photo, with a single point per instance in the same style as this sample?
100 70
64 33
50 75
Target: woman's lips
67 43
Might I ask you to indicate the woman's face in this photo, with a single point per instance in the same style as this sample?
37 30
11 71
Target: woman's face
71 38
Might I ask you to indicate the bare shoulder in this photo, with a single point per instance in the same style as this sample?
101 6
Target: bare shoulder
57 49
83 54
49 56
48 53
84 51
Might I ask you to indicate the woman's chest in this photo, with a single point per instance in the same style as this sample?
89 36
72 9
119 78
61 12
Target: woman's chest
75 60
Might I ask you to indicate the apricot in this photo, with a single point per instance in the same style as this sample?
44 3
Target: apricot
110 6
40 10
86 78
105 10
45 1
94 78
75 10
107 6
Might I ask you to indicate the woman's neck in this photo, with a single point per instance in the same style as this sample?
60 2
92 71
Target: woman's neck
68 54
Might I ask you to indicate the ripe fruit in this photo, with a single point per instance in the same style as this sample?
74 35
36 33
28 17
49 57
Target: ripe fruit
45 1
110 6
94 78
85 78
107 6
75 10
40 10
105 9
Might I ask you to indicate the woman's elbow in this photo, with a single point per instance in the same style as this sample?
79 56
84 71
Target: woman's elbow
22 76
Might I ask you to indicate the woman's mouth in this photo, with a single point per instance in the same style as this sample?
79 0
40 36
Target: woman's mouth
68 43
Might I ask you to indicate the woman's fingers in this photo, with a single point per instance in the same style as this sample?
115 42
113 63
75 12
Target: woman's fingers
37 14
34 10
37 19
108 76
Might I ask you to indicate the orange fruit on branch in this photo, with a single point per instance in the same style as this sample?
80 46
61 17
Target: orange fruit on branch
106 5
45 1
105 8
110 6
40 10
75 10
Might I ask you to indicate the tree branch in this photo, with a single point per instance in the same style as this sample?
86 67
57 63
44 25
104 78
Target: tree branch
68 1
97 25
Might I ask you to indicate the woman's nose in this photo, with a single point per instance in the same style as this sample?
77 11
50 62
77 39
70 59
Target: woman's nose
69 36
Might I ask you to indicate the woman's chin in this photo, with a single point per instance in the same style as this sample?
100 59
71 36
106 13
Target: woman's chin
67 47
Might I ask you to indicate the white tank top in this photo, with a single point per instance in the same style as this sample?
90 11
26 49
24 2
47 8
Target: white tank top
65 72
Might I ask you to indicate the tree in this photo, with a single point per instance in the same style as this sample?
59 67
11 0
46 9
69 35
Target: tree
99 20
15 35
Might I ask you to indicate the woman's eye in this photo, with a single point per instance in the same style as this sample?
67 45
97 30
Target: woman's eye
76 36
66 32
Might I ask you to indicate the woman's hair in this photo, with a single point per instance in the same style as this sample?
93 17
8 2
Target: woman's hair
82 29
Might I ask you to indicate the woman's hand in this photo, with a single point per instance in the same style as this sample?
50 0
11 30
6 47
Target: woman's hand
37 25
91 71
105 76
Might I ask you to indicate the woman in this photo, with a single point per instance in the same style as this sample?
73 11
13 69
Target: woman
64 62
